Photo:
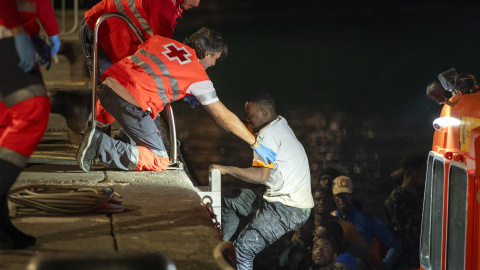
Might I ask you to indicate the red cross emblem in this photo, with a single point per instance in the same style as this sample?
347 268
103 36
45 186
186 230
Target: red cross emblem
173 52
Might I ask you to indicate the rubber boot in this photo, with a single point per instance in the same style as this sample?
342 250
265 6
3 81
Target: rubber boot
10 237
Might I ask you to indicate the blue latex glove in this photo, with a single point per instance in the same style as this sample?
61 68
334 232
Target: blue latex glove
193 101
265 153
43 51
25 51
54 43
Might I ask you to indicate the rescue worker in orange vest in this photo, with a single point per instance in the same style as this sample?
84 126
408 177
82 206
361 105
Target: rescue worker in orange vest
138 87
29 11
116 39
26 108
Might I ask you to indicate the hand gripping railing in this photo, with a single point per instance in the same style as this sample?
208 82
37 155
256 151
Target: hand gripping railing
171 119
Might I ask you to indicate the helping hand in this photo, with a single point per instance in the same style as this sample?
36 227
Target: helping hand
218 167
54 43
43 51
25 51
265 153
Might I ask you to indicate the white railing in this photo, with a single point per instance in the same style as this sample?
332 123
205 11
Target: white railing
63 21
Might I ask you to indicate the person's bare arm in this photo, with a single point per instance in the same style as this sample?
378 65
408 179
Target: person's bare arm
255 175
229 121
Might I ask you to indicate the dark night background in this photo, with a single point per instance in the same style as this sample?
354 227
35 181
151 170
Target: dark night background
349 76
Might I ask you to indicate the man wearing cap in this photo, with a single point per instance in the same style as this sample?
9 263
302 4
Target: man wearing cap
345 261
403 210
368 225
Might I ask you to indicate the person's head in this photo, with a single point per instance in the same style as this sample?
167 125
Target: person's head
323 201
260 109
188 4
361 255
305 233
209 46
414 166
345 261
323 252
325 178
331 229
342 190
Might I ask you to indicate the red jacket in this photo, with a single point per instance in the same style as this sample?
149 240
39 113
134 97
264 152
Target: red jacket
152 17
160 72
25 12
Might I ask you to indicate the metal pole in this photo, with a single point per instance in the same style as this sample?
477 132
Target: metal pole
75 20
95 54
173 135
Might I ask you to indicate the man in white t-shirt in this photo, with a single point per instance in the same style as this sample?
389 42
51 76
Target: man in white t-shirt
287 201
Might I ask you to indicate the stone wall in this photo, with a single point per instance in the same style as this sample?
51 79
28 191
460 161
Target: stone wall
367 147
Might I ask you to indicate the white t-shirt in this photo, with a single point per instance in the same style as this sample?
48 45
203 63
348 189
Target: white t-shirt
289 181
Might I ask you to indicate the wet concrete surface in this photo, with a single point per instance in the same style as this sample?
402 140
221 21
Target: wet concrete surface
162 215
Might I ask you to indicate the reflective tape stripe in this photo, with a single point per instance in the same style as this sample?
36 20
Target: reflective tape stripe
162 154
34 90
26 6
206 96
13 157
135 152
158 80
133 8
5 32
142 21
163 68
119 6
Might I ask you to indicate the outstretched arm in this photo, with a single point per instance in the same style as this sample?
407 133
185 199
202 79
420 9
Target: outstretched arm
229 121
255 175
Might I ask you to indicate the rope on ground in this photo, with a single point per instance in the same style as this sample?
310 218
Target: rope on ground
209 207
54 200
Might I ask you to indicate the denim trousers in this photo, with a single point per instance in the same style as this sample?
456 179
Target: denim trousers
267 222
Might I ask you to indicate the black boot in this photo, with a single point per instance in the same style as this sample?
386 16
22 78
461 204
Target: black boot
19 239
10 237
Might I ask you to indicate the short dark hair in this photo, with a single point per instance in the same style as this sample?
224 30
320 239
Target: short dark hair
263 98
333 232
328 192
413 162
207 40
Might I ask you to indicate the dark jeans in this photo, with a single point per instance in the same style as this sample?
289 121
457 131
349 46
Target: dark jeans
267 222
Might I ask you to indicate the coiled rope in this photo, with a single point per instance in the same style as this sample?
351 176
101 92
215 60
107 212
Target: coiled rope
46 200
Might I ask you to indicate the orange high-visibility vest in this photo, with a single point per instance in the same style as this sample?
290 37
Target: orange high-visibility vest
115 37
31 10
160 72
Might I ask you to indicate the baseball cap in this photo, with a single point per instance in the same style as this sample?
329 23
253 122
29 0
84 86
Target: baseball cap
347 259
342 184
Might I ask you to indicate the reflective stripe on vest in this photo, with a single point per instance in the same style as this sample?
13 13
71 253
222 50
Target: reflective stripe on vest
33 90
157 78
134 154
13 157
134 13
